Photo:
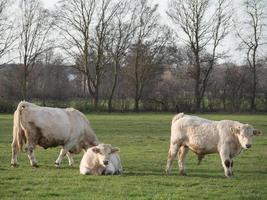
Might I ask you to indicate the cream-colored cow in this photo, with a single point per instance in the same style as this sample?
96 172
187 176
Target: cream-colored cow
203 136
101 159
50 127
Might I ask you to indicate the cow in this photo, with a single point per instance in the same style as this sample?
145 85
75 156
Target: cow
50 127
102 159
227 138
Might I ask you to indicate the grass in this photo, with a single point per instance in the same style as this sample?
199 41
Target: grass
144 141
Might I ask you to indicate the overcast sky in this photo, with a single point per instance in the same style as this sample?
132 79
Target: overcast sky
229 45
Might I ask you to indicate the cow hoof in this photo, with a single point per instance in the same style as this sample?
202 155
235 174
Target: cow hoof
229 174
35 165
56 164
182 173
14 165
168 171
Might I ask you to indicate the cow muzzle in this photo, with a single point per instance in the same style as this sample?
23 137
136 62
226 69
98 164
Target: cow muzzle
248 146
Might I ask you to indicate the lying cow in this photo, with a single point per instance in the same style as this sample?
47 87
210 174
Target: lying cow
50 127
101 159
204 136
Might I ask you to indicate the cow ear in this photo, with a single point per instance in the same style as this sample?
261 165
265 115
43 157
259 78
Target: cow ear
115 149
257 132
235 130
96 150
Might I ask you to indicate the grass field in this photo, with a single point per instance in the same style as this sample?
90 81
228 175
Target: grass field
144 141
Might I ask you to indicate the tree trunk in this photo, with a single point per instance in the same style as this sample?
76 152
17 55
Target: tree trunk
254 79
136 98
95 102
136 104
197 98
93 93
253 92
114 85
24 84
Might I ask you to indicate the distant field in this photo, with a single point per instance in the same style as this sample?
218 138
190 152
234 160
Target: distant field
144 141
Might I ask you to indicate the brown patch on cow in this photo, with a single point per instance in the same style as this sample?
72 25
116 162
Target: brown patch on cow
46 143
196 149
43 141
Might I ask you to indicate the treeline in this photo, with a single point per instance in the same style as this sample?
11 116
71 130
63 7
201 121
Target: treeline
168 89
113 55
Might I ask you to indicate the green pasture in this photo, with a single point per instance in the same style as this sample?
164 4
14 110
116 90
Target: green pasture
144 141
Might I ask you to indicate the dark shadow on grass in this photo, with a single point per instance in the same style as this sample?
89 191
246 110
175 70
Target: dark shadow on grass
142 173
191 173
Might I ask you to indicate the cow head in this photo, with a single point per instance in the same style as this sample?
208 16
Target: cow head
103 152
244 133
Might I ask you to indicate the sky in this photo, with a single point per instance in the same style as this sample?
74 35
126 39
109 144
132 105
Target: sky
230 44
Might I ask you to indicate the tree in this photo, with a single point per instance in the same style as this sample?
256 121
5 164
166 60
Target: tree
149 41
120 37
105 12
233 87
7 36
201 27
251 34
34 29
73 19
85 42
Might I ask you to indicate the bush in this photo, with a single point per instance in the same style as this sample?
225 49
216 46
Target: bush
7 106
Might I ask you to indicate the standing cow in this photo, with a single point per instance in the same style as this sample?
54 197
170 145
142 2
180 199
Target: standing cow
203 136
50 127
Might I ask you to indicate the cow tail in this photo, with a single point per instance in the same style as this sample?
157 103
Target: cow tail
176 117
18 134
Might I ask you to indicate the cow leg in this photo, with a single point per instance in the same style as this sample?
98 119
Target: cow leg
181 159
15 149
199 158
227 164
171 155
31 156
61 155
70 158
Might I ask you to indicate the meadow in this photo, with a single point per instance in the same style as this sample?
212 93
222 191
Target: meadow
144 141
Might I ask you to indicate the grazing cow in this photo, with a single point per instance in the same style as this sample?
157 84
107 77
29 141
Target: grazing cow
204 136
50 127
101 159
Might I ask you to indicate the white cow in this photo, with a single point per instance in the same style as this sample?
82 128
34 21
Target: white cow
50 127
101 159
204 136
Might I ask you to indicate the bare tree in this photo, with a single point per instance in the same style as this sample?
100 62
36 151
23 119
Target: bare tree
202 27
73 19
105 12
7 36
121 35
149 41
85 41
251 35
34 29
